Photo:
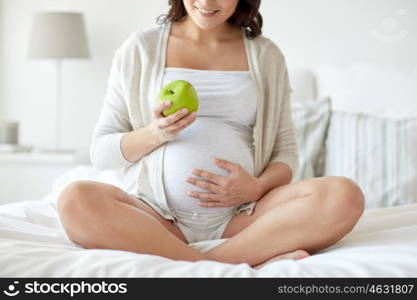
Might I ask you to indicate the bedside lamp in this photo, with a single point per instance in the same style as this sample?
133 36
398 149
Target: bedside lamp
58 36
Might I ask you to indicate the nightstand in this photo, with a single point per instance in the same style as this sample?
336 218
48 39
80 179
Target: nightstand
29 176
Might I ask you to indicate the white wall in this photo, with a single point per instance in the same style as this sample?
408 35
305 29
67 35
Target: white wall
344 31
308 32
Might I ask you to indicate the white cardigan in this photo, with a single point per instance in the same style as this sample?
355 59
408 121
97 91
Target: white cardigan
134 83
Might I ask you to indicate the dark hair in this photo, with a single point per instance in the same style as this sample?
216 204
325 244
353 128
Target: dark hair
246 15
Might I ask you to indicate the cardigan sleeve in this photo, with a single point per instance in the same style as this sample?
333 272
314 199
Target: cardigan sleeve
113 123
285 148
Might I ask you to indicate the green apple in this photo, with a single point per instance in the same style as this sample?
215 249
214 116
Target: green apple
182 95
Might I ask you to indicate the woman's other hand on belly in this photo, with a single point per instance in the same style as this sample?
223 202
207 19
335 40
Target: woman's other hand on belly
237 188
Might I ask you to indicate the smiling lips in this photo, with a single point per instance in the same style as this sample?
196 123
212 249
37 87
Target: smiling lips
206 13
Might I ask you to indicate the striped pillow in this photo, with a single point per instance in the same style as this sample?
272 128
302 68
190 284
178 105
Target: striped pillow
310 120
379 154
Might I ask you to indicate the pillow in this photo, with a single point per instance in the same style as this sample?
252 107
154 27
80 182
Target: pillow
369 89
310 120
377 153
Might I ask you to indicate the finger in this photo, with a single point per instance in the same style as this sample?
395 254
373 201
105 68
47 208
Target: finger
167 121
214 204
206 185
225 164
217 179
157 112
181 124
203 196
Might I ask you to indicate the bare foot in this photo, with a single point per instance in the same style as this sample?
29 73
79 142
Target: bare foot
295 255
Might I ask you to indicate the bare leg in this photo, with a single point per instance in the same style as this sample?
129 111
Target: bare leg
310 215
98 215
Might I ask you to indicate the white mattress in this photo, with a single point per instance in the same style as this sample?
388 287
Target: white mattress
33 244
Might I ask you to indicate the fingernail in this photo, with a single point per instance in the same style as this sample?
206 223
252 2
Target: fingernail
184 110
167 102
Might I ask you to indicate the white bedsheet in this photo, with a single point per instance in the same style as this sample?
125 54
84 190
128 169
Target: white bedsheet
33 244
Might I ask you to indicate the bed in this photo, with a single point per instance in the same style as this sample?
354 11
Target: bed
34 244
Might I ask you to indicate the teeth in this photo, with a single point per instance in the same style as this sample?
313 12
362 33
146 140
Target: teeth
206 11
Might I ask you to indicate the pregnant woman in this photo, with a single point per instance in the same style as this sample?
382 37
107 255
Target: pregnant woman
175 191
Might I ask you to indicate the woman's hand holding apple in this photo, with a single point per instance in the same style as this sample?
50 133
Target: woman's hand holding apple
167 128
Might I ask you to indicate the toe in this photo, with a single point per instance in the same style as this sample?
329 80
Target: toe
299 254
295 255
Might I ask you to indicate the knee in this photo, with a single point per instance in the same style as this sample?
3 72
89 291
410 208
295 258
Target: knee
75 210
346 198
74 198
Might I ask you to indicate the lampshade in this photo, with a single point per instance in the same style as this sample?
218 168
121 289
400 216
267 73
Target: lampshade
58 35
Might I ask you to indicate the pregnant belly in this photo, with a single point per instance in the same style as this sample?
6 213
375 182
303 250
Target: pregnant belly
194 148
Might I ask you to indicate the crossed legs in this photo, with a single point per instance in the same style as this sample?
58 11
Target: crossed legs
309 214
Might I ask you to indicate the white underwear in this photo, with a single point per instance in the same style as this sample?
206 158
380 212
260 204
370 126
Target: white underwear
200 226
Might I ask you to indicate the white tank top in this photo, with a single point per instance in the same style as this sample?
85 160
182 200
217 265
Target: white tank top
223 128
